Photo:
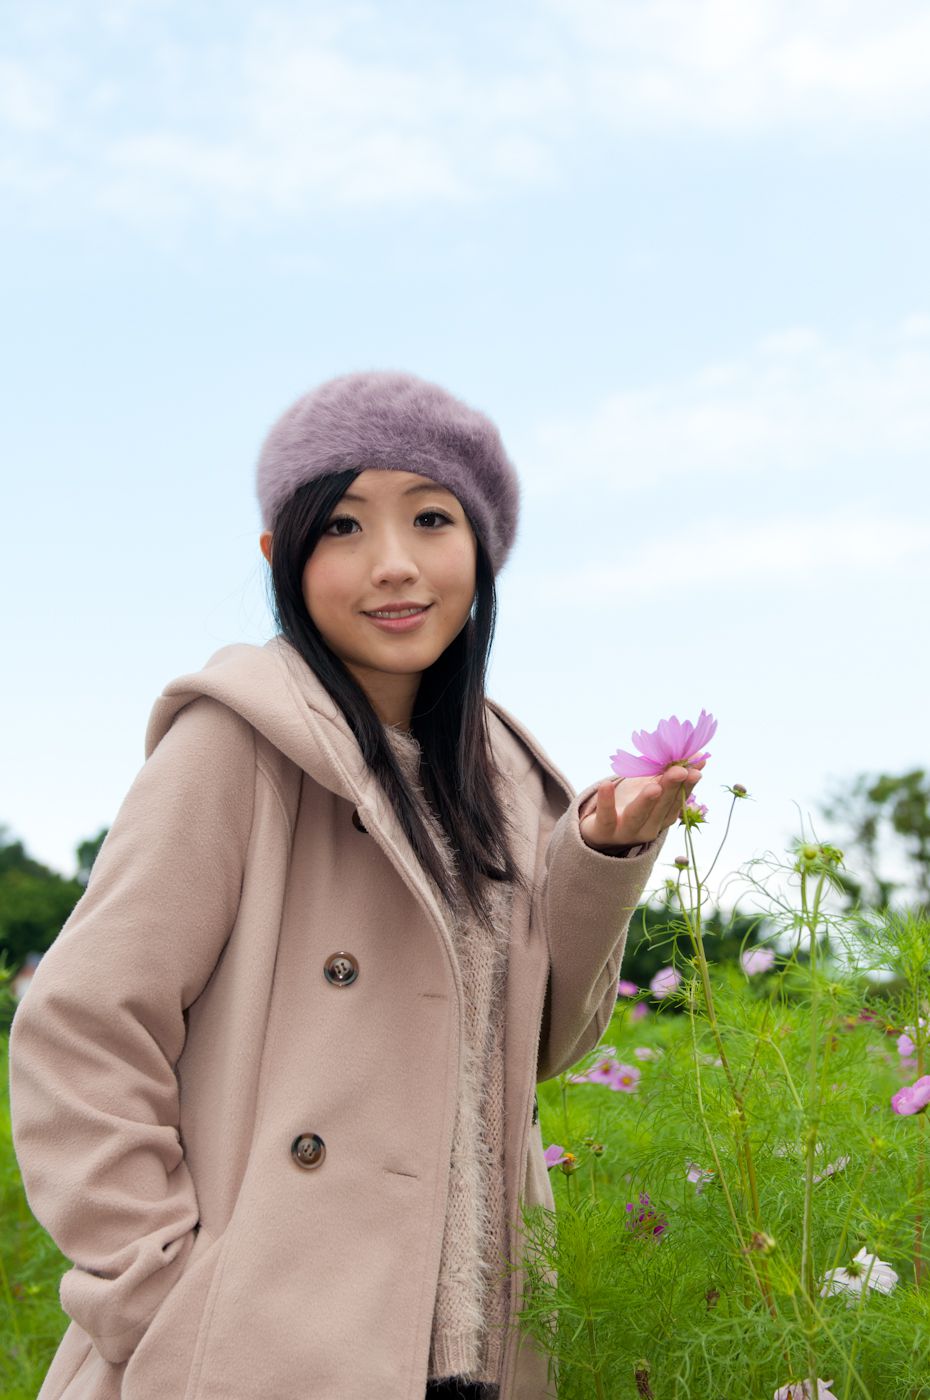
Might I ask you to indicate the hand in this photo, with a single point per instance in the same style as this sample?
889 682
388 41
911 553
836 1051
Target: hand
634 810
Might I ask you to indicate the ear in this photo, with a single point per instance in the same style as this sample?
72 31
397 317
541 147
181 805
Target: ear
264 541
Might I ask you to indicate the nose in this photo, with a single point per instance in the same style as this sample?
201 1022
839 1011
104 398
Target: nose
394 560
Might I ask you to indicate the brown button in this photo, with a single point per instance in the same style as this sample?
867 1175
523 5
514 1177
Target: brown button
308 1150
341 969
357 822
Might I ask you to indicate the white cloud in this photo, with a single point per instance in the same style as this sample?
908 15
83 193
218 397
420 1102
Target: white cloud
795 404
27 99
286 107
737 66
800 550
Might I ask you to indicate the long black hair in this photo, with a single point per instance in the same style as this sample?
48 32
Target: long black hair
449 719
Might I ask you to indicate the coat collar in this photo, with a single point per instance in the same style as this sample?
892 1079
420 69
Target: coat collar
273 688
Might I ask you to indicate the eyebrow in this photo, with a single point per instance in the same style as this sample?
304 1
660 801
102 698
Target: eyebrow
430 486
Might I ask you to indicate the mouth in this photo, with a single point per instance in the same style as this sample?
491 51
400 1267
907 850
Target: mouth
398 619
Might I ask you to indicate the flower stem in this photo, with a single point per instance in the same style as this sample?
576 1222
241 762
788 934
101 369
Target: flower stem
744 1155
598 1383
809 918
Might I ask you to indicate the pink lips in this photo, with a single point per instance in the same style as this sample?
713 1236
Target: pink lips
399 624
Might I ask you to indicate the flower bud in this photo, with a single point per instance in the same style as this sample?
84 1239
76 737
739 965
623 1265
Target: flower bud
759 1243
641 1377
681 862
738 790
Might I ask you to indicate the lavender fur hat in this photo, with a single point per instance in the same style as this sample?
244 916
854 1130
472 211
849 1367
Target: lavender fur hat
392 421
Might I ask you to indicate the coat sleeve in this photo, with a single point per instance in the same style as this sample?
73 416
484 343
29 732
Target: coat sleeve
96 1037
584 901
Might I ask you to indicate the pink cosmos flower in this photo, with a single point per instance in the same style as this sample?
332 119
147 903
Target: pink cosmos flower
640 1010
603 1070
554 1155
673 741
645 1220
906 1046
626 1079
665 981
695 812
756 960
801 1390
627 989
913 1098
646 1052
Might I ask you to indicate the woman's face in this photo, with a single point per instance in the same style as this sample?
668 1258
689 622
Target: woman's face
393 538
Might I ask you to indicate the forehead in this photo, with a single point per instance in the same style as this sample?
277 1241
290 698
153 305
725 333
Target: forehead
378 484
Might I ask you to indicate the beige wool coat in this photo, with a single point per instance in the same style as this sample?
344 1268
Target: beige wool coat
233 1077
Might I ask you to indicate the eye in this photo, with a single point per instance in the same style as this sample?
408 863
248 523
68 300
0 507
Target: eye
436 514
340 520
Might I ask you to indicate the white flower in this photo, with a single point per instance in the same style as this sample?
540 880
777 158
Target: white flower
699 1176
801 1390
831 1168
865 1270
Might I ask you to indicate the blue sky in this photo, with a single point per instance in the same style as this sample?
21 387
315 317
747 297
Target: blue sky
676 250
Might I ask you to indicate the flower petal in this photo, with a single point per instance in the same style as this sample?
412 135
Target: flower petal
630 765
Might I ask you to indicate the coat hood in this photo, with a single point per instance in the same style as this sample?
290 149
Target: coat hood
273 688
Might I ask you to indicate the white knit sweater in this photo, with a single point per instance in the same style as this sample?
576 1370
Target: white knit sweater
473 1292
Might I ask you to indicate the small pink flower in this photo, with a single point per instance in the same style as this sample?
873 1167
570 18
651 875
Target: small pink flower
906 1046
695 812
626 1079
673 741
554 1155
646 1052
756 960
603 1070
641 1009
645 1220
913 1098
665 981
627 989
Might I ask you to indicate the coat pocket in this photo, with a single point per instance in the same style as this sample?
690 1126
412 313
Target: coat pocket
160 1365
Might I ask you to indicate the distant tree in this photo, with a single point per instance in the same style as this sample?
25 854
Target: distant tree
87 853
869 806
35 902
656 939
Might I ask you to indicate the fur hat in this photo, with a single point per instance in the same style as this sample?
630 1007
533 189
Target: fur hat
388 420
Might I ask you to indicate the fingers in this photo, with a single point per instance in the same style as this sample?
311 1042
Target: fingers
606 811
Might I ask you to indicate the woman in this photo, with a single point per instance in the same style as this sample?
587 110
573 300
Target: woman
272 1085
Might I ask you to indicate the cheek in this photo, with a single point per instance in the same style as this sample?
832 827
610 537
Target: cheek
320 585
459 572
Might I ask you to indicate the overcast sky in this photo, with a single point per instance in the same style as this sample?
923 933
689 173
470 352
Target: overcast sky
676 249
